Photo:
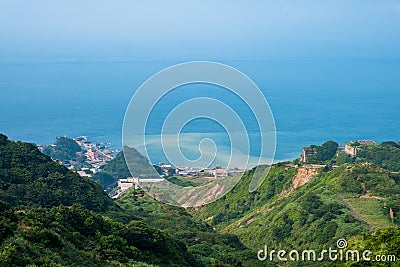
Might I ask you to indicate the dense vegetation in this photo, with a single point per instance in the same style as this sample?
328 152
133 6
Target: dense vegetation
71 222
324 152
105 180
310 216
208 246
63 149
75 236
28 177
273 215
384 242
386 155
50 216
117 167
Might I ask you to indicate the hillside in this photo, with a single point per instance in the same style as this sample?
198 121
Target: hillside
385 155
30 178
140 165
117 168
294 208
75 236
87 228
384 242
50 216
299 207
206 245
63 149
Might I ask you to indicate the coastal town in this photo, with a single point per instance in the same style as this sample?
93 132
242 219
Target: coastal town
79 154
97 155
200 175
87 159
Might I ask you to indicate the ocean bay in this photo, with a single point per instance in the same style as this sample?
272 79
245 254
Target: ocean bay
311 101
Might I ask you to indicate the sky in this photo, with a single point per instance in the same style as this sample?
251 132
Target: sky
257 30
299 52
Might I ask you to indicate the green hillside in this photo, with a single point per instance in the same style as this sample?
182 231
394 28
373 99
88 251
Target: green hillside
87 228
385 243
372 210
63 149
351 200
386 155
311 215
117 168
205 244
30 178
75 236
140 165
50 216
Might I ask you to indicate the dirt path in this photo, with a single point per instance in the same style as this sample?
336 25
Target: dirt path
356 214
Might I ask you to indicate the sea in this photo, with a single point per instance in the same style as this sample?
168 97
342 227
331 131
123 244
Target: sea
312 101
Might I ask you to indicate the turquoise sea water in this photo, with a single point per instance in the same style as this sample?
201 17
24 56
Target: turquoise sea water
312 101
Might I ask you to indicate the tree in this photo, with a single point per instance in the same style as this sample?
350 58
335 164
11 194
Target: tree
324 152
104 179
327 150
63 149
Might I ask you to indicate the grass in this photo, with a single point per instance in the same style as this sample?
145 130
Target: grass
371 210
188 180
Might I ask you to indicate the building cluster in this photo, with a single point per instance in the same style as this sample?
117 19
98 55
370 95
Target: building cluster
351 148
96 155
89 159
168 170
306 153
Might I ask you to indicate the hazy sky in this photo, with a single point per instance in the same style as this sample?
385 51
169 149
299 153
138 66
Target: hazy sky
200 29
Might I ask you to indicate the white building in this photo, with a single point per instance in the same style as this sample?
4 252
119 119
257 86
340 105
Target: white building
125 184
